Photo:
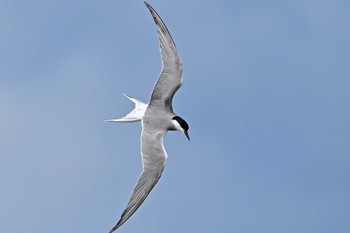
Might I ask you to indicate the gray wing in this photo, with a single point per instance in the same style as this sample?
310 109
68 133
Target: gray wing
153 160
170 79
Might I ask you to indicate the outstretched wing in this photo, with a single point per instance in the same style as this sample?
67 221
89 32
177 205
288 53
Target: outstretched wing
153 160
170 79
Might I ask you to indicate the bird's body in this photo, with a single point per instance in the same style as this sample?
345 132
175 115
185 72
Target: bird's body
157 118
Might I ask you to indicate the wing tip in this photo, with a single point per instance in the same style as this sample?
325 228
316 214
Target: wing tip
121 221
112 230
150 8
116 227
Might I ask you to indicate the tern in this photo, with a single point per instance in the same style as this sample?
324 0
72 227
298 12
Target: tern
157 118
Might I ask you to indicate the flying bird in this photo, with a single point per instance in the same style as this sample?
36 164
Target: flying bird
157 118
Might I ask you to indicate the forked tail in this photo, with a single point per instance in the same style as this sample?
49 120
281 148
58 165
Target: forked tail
136 114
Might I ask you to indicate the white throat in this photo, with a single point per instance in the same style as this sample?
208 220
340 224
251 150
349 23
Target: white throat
177 126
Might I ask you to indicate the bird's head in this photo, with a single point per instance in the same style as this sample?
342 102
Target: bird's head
181 125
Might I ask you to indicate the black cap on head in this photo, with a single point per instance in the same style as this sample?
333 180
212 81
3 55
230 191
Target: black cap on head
183 125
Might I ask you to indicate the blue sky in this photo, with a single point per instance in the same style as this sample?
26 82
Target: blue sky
266 94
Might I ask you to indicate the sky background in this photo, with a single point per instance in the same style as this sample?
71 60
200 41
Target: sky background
266 94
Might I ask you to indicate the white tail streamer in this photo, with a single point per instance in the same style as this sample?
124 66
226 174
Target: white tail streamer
136 114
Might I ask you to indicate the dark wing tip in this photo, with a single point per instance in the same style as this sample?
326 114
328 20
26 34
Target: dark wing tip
121 221
159 22
113 229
